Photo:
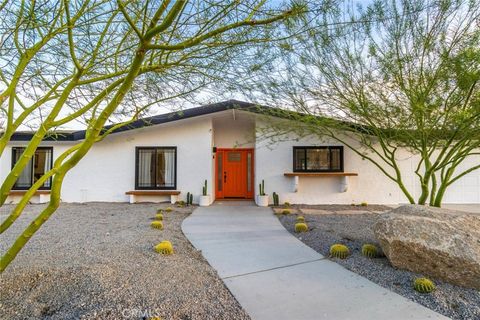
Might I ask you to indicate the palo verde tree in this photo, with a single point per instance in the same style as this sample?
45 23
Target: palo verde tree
93 61
396 75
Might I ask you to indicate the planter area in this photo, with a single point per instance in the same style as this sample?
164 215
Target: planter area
352 226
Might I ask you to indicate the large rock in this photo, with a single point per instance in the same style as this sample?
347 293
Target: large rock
437 242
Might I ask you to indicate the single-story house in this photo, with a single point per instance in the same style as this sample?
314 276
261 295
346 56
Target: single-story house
162 158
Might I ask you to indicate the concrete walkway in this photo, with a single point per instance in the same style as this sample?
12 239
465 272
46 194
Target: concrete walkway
273 275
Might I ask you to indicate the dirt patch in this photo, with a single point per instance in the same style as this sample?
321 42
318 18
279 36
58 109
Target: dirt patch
354 230
95 261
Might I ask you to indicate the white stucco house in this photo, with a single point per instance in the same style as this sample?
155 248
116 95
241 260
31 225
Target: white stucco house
161 158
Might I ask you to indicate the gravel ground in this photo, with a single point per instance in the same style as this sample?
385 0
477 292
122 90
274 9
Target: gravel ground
354 230
95 261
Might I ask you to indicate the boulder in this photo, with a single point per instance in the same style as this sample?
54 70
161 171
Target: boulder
441 243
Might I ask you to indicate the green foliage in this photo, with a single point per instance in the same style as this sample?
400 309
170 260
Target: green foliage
423 285
159 216
261 188
300 219
275 199
204 188
164 247
181 204
301 227
168 209
370 250
339 251
157 224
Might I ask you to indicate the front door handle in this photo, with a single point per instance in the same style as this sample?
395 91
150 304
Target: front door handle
224 177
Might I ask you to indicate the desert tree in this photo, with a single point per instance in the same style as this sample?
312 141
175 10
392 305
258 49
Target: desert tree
392 76
100 61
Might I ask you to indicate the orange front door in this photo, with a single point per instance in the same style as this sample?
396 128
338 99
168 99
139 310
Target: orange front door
234 169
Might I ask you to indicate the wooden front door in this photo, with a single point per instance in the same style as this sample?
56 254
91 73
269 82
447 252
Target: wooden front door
234 173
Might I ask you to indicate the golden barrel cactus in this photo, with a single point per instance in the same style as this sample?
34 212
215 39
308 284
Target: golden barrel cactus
423 285
159 216
157 224
164 247
370 250
301 227
301 219
339 251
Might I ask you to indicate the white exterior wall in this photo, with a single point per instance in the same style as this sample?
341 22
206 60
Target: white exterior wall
108 170
273 159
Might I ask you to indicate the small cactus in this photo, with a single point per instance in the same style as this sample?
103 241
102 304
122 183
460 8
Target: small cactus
286 211
301 227
157 224
275 199
160 211
301 219
189 199
339 251
204 188
261 188
159 216
169 209
287 204
164 247
363 204
370 250
423 285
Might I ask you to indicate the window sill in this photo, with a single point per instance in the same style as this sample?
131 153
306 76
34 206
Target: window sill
342 175
22 192
320 174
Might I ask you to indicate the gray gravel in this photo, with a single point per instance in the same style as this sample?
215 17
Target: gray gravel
354 230
95 261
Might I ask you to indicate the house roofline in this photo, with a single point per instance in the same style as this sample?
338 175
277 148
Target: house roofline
151 121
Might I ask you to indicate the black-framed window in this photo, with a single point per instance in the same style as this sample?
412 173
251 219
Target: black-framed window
40 164
318 159
156 168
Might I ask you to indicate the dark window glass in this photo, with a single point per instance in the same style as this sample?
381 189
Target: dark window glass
156 168
317 159
40 164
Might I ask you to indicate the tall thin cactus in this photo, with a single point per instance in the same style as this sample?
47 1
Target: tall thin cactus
275 199
205 188
262 188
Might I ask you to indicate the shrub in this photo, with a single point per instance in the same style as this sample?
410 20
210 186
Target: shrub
159 216
157 224
286 211
363 204
301 227
181 204
301 219
423 285
169 209
370 250
164 247
339 251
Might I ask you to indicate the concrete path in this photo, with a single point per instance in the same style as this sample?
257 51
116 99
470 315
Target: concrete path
273 275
